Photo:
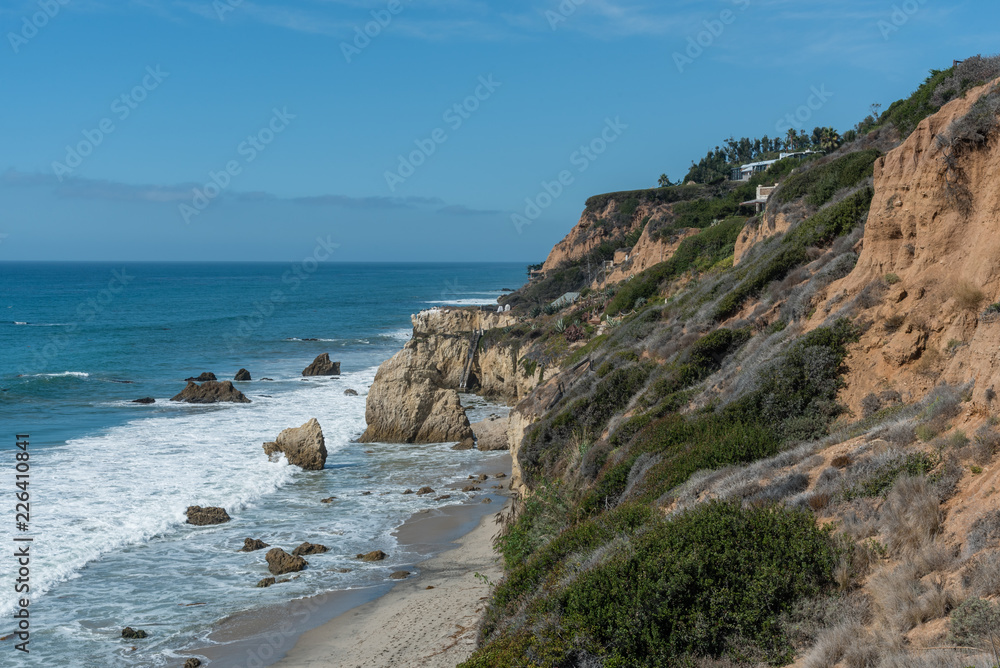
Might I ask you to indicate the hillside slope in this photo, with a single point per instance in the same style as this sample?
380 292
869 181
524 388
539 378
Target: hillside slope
786 460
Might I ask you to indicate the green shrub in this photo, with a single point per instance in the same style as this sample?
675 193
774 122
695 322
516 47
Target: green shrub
830 223
819 184
708 247
975 620
690 585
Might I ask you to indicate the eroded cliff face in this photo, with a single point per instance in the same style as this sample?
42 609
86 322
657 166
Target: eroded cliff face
932 266
758 230
414 397
590 233
646 253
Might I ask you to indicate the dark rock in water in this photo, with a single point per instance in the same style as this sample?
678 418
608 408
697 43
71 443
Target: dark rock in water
305 549
192 663
280 562
409 491
211 392
400 575
482 477
487 500
201 517
122 382
424 490
500 475
330 499
145 400
467 444
322 366
253 544
271 379
208 375
471 488
132 634
443 498
243 375
350 393
310 339
303 446
341 570
265 583
377 555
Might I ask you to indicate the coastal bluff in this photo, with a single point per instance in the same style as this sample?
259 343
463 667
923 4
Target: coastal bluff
414 397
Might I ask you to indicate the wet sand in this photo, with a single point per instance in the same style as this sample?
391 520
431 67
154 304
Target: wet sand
393 624
428 621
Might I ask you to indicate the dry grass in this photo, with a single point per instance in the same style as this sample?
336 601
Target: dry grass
981 577
901 601
910 517
967 296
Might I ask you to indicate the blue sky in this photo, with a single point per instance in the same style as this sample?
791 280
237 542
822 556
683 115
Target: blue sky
291 122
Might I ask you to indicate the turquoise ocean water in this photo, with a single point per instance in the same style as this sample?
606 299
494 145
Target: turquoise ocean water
110 479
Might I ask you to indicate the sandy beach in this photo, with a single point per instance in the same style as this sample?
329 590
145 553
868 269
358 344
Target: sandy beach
427 621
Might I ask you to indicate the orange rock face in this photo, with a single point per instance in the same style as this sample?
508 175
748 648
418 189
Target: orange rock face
947 262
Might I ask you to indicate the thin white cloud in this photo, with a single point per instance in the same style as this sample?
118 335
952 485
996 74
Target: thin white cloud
100 189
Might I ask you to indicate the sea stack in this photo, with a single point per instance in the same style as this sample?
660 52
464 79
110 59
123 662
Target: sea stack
303 446
322 366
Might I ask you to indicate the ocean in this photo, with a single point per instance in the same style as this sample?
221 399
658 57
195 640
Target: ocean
110 479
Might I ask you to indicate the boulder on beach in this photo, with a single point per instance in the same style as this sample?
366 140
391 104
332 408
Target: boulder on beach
322 366
144 400
377 555
132 634
201 517
491 434
280 562
192 663
253 544
400 575
242 375
303 446
211 392
305 549
208 375
350 393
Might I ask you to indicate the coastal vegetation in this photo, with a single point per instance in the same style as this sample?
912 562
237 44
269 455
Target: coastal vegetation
701 492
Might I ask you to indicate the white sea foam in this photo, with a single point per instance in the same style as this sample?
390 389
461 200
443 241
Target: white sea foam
132 483
64 374
472 301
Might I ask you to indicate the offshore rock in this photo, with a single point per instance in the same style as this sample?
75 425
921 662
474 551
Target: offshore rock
211 392
303 446
280 562
322 366
202 517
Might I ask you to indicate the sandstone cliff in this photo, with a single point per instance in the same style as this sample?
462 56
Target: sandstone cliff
934 265
414 397
595 229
